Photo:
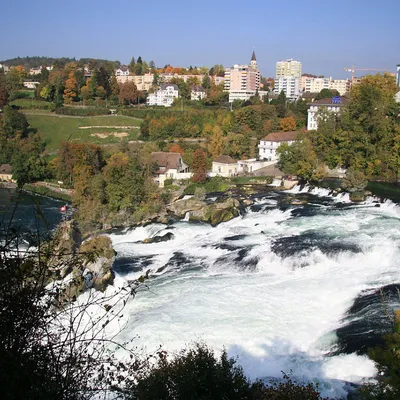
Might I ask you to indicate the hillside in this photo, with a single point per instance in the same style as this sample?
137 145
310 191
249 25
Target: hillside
37 61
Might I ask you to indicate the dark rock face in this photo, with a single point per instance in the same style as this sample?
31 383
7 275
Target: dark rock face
157 239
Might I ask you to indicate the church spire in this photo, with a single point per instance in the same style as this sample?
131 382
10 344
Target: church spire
253 56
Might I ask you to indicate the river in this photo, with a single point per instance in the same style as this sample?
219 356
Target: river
293 288
28 213
282 287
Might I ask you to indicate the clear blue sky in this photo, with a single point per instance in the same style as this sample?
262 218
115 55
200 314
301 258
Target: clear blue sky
325 36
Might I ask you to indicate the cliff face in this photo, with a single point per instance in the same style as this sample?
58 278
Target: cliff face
89 262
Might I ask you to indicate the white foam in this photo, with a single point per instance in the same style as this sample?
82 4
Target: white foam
275 313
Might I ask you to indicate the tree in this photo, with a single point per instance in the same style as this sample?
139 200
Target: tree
85 92
327 94
71 88
300 159
128 93
132 65
281 107
93 85
101 92
199 166
206 82
14 123
354 181
124 179
217 142
193 374
288 124
176 148
45 349
4 94
196 373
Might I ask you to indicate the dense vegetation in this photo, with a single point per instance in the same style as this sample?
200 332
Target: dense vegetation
365 138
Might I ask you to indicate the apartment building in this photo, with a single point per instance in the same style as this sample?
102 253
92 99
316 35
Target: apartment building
142 82
287 79
242 80
333 105
288 67
315 85
290 85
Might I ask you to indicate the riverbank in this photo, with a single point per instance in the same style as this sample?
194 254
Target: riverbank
48 190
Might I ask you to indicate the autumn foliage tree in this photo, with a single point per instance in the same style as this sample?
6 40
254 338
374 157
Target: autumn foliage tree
288 124
199 166
176 148
71 88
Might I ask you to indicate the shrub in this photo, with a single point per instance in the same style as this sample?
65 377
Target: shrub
192 375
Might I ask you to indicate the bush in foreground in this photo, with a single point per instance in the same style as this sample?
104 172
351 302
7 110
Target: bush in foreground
196 374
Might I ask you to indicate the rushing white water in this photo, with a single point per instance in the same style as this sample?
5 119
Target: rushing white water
271 286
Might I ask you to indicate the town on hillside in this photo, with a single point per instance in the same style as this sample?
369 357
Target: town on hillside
194 123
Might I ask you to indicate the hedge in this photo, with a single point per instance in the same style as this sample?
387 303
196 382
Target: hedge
83 112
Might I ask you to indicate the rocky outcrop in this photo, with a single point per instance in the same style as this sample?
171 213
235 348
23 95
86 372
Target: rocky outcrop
88 264
198 210
98 257
158 239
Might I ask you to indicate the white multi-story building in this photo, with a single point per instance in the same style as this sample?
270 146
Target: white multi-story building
288 67
290 86
333 105
165 96
197 93
270 143
288 73
242 81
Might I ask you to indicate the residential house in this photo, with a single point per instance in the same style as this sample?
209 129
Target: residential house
224 166
5 68
31 84
169 166
165 96
197 93
123 70
333 105
270 143
6 173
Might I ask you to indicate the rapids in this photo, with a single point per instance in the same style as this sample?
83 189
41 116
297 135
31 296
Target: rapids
282 287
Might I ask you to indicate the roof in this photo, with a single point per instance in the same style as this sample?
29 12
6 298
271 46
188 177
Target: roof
329 102
163 86
5 169
166 160
225 160
282 136
253 56
123 68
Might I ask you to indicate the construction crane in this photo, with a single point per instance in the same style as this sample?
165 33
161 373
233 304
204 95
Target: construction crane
354 68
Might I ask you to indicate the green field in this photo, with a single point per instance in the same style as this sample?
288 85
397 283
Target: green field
105 129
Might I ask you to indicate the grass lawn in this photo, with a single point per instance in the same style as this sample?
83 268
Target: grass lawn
31 103
104 129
